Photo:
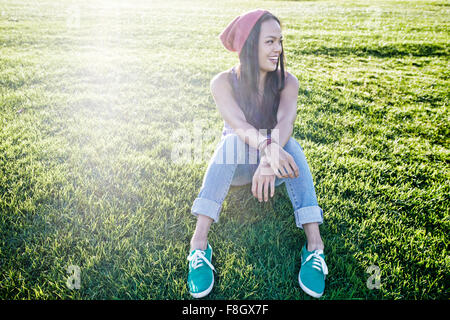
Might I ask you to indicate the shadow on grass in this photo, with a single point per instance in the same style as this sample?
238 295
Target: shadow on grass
409 49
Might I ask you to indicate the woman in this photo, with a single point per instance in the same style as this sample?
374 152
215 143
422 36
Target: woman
258 103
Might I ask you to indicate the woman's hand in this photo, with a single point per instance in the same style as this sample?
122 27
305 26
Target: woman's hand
263 178
281 162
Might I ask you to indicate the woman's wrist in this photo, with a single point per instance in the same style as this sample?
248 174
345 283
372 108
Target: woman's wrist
267 150
264 143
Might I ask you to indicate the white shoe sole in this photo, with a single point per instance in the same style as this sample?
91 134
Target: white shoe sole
203 293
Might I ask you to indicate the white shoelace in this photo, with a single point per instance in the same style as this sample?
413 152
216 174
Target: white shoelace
197 259
318 262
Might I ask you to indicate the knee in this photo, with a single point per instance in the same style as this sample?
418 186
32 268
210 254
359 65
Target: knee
230 138
292 145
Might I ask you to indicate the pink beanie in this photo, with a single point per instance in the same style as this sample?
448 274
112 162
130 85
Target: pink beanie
237 32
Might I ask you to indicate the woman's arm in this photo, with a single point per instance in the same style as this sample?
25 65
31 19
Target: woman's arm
280 160
230 111
264 177
287 110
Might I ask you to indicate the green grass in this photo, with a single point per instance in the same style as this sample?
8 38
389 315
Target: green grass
88 111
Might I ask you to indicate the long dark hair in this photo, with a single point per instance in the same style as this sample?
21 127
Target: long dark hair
265 116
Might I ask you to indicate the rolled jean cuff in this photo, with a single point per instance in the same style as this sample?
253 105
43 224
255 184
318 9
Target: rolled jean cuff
207 208
308 215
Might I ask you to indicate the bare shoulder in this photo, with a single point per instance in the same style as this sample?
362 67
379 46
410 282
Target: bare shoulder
220 81
291 86
291 80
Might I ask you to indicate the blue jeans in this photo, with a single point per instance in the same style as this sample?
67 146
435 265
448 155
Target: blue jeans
233 164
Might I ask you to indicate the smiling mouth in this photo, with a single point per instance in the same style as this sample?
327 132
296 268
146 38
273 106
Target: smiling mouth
273 60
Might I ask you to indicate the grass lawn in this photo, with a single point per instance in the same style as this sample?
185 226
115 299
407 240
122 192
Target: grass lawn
94 93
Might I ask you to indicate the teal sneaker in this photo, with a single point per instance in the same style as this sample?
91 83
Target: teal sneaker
313 272
201 276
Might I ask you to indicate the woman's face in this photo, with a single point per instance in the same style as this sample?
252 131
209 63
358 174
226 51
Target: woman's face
270 39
